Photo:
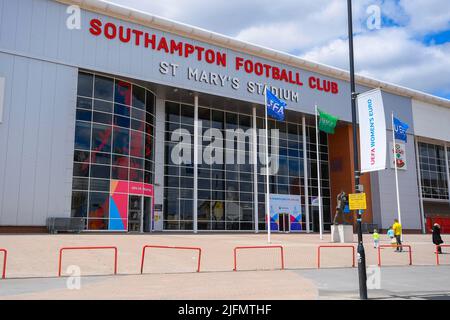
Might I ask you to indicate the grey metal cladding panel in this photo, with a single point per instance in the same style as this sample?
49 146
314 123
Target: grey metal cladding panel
39 18
37 139
14 146
62 145
6 71
402 108
375 192
32 88
409 198
8 24
45 134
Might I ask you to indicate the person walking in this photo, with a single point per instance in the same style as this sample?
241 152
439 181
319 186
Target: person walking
397 227
437 240
376 238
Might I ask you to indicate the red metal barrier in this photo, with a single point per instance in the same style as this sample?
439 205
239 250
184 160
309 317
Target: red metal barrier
5 257
343 246
87 248
394 246
171 247
437 254
260 247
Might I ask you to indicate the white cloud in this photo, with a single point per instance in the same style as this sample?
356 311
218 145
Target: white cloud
317 30
391 55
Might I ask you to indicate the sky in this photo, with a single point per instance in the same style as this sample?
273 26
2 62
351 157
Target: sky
406 42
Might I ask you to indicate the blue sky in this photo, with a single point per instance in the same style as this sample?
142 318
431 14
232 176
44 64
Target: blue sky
411 47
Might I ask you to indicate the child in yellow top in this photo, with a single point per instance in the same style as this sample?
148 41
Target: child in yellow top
376 238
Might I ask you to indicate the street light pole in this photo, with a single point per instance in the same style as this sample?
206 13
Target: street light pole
361 254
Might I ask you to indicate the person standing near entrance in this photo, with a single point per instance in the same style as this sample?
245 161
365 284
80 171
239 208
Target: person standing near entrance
437 240
397 227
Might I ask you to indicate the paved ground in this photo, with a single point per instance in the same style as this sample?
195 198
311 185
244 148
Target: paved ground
33 261
423 282
37 255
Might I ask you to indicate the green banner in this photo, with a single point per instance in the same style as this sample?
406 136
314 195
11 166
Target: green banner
327 122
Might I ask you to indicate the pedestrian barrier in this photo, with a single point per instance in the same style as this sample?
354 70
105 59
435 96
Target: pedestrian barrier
5 257
260 247
338 246
394 246
87 248
171 247
437 254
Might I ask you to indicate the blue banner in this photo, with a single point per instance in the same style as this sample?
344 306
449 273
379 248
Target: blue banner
275 107
400 130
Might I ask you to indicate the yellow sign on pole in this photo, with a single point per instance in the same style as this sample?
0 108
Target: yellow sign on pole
357 201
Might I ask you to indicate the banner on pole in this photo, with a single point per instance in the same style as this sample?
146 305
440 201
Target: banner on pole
275 107
400 155
372 131
400 129
327 122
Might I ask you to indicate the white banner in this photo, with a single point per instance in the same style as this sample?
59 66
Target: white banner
372 131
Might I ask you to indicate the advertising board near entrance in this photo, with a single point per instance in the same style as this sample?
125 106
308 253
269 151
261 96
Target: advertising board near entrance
284 204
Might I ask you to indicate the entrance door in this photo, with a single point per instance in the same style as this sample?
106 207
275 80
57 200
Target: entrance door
283 222
135 210
147 219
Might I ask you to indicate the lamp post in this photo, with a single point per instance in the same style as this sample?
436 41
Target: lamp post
361 254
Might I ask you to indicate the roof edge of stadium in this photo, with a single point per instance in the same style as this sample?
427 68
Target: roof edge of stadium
182 29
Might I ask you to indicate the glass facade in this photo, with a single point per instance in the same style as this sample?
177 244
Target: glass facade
225 191
433 171
113 149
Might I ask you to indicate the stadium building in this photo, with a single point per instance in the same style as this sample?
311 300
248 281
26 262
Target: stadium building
90 102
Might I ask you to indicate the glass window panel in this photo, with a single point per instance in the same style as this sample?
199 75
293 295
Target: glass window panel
122 92
79 204
100 158
122 121
137 144
119 173
99 171
80 184
81 170
82 135
150 102
84 103
98 205
85 84
137 125
122 110
137 163
140 115
138 97
121 141
103 88
103 106
81 156
136 175
102 117
99 185
98 224
84 115
120 160
101 138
